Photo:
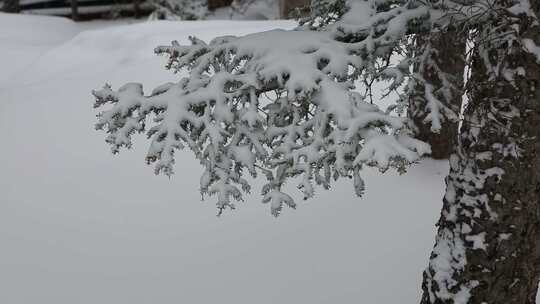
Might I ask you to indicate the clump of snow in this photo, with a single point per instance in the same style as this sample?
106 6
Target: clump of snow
532 48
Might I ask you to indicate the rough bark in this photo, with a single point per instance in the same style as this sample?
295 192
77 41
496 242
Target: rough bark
443 57
11 6
488 243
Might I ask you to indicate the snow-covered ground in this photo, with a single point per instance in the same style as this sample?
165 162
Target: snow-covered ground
79 225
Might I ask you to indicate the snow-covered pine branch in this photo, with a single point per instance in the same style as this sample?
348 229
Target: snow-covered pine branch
312 125
321 13
434 97
315 126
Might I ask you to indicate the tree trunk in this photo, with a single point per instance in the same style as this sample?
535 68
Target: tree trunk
74 10
441 67
11 6
487 247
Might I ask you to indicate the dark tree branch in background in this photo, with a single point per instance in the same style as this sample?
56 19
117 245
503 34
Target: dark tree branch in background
215 4
137 9
286 7
11 6
74 10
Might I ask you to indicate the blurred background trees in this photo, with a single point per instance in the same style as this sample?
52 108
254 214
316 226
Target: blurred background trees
157 9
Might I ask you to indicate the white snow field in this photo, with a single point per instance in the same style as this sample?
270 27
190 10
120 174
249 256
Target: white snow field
79 225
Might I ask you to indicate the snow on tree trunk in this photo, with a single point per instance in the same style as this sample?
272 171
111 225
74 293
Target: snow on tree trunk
11 6
438 88
488 243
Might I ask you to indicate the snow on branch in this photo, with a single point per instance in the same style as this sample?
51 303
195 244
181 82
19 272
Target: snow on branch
280 103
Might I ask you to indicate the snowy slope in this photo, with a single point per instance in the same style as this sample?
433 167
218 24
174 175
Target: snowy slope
23 38
78 225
